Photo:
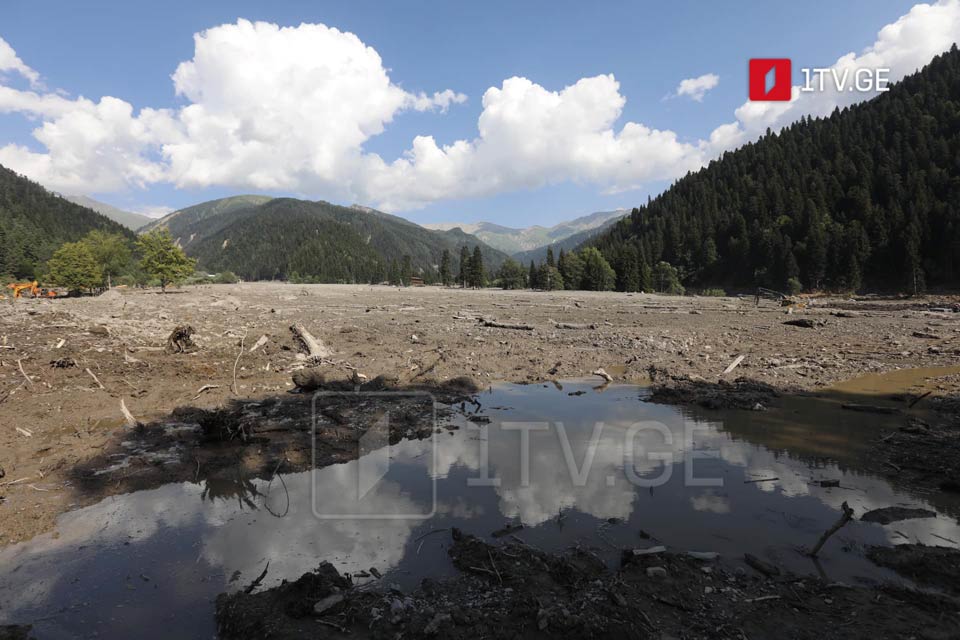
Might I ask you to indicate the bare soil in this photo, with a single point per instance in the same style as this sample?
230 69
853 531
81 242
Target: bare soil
66 365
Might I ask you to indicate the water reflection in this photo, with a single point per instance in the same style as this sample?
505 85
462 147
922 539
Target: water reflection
151 563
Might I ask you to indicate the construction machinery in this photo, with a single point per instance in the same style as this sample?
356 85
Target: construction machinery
32 288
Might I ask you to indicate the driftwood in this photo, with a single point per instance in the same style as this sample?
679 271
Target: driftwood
236 362
869 408
568 325
733 365
603 374
315 347
95 378
204 388
805 323
505 325
128 418
180 341
846 517
762 566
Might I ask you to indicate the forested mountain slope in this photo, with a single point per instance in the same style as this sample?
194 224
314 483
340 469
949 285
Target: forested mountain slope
34 222
867 197
322 242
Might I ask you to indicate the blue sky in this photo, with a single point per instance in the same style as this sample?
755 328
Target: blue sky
129 50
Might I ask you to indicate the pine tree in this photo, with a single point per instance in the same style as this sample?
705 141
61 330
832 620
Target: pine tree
550 262
533 278
445 268
463 275
477 276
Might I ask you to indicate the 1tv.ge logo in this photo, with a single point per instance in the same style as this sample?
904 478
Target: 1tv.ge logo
770 79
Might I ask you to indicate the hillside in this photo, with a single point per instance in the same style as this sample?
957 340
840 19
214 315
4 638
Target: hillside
512 241
318 241
34 222
204 216
868 196
130 220
570 242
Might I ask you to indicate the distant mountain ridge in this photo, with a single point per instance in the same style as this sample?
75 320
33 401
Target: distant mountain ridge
569 243
263 238
129 219
513 240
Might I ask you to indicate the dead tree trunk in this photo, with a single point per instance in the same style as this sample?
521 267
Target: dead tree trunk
316 350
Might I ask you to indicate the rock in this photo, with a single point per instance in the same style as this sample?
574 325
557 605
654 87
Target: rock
309 379
805 323
656 572
895 514
762 566
328 603
434 625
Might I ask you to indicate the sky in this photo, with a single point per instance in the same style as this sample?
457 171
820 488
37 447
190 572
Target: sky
517 113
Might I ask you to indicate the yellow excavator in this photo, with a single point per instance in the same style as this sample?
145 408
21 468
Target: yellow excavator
33 288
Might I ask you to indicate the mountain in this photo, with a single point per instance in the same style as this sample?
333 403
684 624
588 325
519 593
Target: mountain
285 238
512 241
34 222
570 242
203 213
869 196
130 220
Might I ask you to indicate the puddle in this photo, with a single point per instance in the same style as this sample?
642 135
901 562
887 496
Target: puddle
150 564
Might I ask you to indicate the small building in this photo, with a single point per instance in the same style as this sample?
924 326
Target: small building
416 282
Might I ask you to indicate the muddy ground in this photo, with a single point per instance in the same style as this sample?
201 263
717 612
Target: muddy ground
512 590
66 365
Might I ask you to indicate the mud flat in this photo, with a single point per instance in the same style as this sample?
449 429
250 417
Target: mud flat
864 400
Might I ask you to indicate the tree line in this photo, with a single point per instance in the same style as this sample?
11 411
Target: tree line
101 259
867 197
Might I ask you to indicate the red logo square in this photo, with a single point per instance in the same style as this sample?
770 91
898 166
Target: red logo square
770 79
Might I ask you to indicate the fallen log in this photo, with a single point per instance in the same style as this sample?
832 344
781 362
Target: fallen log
603 374
569 325
316 349
869 408
505 325
762 566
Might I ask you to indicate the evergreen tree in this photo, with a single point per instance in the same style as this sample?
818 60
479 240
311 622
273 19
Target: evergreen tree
511 275
598 275
464 266
477 276
533 278
445 268
406 270
572 271
864 197
550 262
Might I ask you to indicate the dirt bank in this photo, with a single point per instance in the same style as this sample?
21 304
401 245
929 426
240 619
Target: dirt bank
66 365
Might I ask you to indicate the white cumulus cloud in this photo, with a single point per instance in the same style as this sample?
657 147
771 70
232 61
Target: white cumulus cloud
10 62
903 47
696 88
290 109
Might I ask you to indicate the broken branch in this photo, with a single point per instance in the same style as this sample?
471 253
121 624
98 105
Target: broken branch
844 519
